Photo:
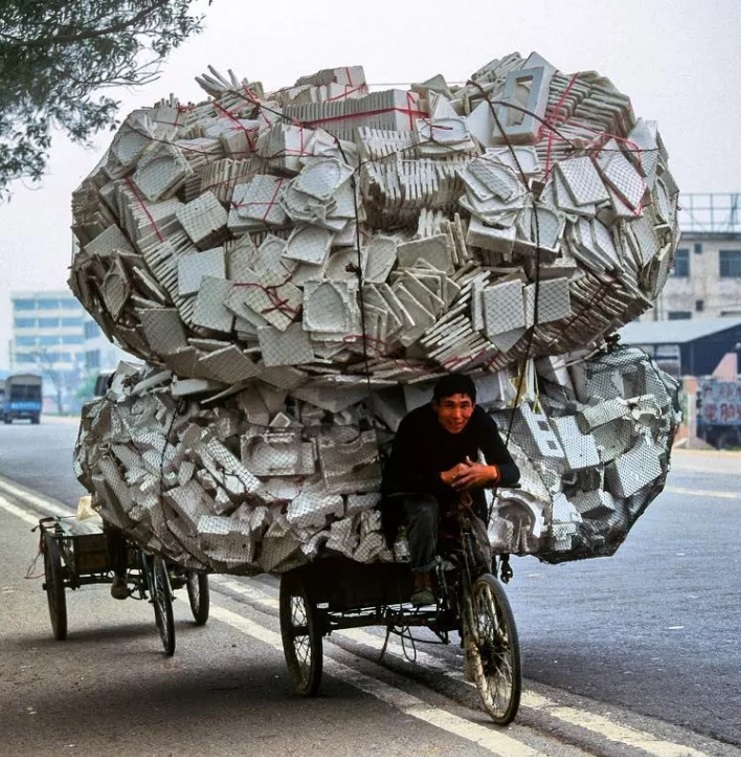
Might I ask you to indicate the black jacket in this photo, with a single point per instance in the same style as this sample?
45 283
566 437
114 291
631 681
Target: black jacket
422 449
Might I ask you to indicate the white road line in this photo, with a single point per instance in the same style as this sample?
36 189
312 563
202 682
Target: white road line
620 734
248 591
18 512
45 504
702 493
494 741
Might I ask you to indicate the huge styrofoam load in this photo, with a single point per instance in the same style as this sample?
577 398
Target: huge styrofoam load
317 255
221 488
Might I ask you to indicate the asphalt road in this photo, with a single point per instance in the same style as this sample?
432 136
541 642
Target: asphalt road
646 637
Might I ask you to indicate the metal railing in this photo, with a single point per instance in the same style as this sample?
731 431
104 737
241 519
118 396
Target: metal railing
712 213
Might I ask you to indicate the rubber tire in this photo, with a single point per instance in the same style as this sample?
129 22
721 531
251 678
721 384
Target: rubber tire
162 600
35 420
498 677
198 596
54 584
302 639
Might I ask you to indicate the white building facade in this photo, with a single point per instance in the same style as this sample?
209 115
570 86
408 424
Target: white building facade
52 335
706 280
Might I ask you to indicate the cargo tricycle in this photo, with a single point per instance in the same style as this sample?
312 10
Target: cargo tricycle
335 593
77 555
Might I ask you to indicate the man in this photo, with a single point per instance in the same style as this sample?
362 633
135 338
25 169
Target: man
434 459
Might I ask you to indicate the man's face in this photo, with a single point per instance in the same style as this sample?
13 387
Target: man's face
454 412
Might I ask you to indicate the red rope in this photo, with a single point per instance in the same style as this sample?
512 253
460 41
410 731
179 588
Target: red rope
246 131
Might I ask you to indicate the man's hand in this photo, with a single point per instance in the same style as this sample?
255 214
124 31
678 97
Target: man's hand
449 477
470 475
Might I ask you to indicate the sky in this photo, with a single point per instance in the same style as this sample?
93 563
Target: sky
677 60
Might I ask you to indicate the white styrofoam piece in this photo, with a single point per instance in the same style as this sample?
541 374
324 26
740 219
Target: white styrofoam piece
553 301
202 218
330 306
490 238
228 365
209 310
634 469
580 449
163 329
503 308
380 254
521 123
322 178
256 204
308 244
289 347
583 180
434 250
193 266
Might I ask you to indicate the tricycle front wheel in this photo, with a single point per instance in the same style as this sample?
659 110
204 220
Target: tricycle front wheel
302 635
54 585
492 649
155 574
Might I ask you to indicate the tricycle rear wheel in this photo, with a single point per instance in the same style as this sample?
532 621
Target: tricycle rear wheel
302 635
492 649
54 585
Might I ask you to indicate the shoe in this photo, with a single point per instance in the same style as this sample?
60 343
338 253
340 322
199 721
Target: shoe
423 597
119 588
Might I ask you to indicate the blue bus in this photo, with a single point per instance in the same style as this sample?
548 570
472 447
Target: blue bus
22 398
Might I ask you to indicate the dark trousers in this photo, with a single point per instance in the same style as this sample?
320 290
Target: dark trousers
117 549
422 517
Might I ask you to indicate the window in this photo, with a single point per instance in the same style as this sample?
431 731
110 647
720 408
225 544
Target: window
91 330
25 323
48 323
679 315
50 339
71 322
25 341
23 357
48 304
730 264
24 304
73 339
57 357
70 304
682 263
699 306
92 359
698 248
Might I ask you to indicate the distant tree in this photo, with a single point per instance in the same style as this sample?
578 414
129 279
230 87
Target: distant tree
56 55
48 368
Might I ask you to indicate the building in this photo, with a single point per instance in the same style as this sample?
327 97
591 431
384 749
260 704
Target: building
706 280
53 335
687 349
48 330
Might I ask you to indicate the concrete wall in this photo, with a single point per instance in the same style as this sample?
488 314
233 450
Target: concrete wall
703 294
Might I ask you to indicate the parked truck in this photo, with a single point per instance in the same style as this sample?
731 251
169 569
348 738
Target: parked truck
718 407
22 398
